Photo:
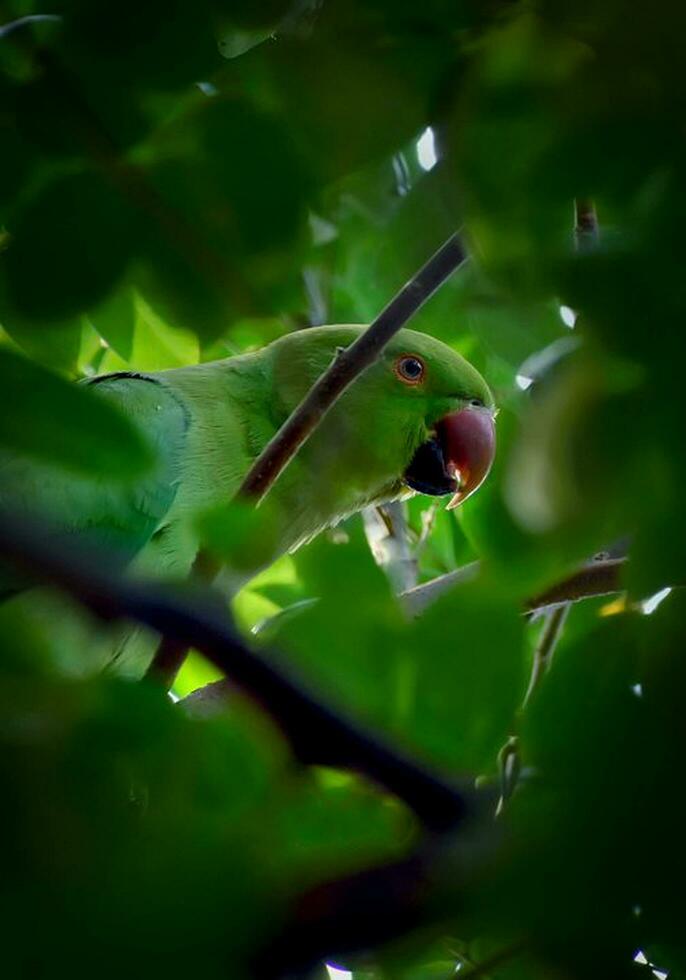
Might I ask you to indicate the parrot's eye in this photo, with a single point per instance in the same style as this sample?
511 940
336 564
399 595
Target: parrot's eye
409 369
476 403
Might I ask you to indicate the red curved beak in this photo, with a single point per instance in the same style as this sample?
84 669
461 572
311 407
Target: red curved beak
468 442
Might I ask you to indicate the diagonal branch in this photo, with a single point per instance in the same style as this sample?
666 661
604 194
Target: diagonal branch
299 426
348 365
598 578
318 734
170 654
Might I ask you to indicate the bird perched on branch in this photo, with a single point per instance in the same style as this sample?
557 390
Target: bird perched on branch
420 419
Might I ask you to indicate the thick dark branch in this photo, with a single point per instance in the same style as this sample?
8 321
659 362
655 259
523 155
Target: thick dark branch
349 915
167 661
348 364
170 653
317 734
341 918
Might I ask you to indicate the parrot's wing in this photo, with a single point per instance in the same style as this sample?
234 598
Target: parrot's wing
119 517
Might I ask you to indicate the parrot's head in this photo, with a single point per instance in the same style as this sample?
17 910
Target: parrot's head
421 417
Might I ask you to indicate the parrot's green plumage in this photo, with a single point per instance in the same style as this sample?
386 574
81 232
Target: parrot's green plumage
208 422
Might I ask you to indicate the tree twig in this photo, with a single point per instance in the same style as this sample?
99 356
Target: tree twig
547 641
386 531
348 365
586 228
26 21
416 600
318 734
428 519
598 578
509 757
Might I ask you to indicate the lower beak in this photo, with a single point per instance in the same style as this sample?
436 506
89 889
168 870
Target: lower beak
467 438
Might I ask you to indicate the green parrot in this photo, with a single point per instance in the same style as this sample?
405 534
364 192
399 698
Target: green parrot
419 420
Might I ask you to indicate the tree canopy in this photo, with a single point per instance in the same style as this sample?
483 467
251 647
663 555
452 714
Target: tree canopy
181 182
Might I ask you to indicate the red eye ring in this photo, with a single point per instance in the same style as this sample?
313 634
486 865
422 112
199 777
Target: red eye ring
410 369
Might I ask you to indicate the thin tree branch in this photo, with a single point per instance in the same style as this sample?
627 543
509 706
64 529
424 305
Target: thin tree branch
318 734
586 237
598 578
348 364
428 521
416 600
509 757
547 641
386 531
26 21
586 228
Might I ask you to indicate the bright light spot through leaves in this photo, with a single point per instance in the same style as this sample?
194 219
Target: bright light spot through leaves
426 150
335 973
568 316
651 604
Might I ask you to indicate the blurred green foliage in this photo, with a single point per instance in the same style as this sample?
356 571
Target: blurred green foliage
181 182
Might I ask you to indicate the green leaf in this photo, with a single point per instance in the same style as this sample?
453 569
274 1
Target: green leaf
57 345
115 321
63 423
239 534
449 684
69 245
164 45
466 681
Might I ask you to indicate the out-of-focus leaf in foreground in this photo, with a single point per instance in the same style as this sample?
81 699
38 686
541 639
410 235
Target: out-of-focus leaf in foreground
57 422
448 684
